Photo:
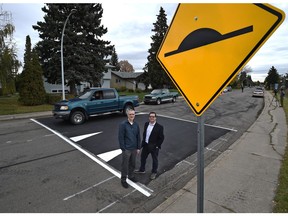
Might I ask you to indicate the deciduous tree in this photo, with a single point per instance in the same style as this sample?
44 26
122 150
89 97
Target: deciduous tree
8 59
125 66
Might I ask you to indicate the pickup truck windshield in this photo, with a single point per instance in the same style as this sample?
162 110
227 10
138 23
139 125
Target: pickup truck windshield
85 95
156 91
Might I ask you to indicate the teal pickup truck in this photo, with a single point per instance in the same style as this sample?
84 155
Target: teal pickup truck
158 96
93 101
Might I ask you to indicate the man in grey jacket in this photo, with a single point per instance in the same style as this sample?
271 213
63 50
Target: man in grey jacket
130 144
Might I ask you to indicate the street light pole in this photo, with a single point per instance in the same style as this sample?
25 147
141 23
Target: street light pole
62 64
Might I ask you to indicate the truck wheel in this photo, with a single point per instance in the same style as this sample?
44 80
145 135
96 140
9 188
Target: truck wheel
173 99
158 101
127 106
77 118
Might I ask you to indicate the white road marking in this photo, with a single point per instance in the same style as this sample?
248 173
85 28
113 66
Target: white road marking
107 156
111 204
106 207
78 138
100 162
185 120
69 197
47 135
211 149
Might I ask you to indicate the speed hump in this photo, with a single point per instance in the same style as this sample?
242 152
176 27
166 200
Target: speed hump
206 45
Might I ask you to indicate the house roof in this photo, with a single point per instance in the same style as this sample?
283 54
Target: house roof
127 75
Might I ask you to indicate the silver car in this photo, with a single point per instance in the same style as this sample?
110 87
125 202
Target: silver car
258 92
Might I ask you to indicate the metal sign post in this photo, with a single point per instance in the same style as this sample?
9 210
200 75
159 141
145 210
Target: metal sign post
200 164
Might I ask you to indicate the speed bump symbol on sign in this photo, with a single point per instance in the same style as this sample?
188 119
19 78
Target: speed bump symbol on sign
206 46
205 36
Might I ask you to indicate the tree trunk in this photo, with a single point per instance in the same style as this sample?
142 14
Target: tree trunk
72 88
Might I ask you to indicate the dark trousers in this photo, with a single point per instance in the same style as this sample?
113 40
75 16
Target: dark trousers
154 154
128 163
281 100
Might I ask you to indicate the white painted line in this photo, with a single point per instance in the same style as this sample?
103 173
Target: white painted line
215 126
69 197
210 149
78 138
47 135
100 162
106 207
185 161
107 156
111 204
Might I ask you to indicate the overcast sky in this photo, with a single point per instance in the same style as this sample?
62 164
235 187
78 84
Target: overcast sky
129 29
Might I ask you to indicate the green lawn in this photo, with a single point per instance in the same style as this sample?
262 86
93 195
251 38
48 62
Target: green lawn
10 105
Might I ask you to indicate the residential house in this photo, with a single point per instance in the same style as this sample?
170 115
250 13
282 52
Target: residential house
57 88
129 80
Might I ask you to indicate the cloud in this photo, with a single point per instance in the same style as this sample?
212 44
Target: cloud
274 51
130 28
23 17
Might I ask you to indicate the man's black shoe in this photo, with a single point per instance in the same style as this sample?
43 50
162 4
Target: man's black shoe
124 184
133 179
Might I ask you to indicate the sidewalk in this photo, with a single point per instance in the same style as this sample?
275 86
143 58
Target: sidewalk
244 178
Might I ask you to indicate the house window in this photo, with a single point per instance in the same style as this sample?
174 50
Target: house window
59 91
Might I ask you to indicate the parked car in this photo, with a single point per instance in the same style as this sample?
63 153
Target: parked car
159 96
258 92
94 101
227 89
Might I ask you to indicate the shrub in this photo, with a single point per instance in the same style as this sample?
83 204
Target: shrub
54 98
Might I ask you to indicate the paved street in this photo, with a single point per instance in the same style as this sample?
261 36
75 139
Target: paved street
50 171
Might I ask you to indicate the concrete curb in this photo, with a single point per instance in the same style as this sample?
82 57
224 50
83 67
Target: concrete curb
25 115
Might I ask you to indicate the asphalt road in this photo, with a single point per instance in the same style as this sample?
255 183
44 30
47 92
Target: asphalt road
46 167
178 144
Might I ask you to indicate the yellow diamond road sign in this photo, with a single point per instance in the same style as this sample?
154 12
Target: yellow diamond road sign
206 45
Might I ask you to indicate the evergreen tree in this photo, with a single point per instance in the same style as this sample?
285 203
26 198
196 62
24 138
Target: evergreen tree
114 60
154 73
31 90
272 78
84 53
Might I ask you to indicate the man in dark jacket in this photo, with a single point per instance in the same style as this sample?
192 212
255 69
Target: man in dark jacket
153 137
130 144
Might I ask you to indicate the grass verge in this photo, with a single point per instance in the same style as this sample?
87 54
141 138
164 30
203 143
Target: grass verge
10 105
281 196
